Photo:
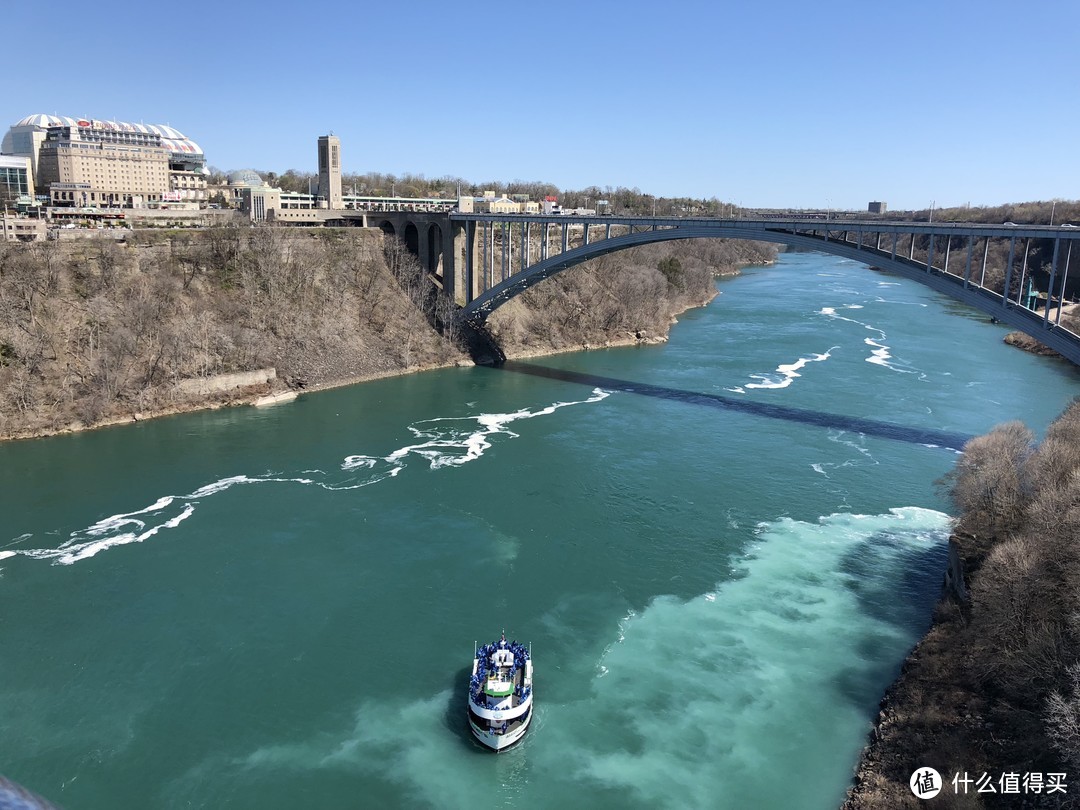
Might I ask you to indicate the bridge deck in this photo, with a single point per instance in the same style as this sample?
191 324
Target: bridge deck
490 258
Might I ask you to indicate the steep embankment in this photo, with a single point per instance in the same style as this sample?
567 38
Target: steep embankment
622 299
994 687
94 332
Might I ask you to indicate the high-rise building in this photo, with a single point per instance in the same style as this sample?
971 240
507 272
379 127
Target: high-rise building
330 171
16 180
88 162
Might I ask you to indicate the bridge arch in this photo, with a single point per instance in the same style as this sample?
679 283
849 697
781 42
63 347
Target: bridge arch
411 236
387 227
434 247
1025 320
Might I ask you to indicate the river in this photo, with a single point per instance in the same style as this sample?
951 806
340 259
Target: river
720 548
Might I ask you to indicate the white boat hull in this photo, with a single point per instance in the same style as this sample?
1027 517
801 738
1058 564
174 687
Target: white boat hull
499 742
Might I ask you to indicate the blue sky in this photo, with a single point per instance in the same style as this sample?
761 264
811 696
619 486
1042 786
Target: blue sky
813 104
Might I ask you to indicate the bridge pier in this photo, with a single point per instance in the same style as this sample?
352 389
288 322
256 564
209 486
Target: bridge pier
460 246
1050 285
971 259
1064 280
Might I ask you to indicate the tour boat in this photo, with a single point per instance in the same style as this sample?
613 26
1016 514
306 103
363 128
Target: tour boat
500 693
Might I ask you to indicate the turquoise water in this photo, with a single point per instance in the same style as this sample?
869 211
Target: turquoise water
277 608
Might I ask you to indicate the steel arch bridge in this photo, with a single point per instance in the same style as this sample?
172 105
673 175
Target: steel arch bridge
491 258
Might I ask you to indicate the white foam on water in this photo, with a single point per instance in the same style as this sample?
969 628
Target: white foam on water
785 374
82 551
953 450
457 440
618 640
831 313
854 441
843 290
880 353
450 441
880 300
221 486
881 356
763 689
111 524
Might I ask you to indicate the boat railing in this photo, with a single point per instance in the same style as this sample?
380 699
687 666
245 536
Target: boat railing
487 668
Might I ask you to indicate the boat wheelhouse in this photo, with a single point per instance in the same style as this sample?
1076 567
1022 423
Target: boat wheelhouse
500 693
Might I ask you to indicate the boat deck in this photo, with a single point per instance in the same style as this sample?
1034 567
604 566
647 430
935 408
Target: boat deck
514 694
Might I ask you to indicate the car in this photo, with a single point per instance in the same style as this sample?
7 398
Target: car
1066 225
1010 224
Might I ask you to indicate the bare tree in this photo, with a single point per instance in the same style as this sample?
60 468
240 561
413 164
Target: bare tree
1063 718
987 484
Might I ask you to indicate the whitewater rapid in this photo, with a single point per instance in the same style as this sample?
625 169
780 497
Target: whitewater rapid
443 442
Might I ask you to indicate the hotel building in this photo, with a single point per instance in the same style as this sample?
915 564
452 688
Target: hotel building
90 163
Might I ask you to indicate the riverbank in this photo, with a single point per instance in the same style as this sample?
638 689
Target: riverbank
928 717
254 395
241 396
994 686
936 714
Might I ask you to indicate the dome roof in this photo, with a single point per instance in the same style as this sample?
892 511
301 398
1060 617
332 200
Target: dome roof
245 177
172 139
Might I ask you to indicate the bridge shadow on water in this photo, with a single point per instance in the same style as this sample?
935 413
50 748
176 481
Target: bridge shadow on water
869 427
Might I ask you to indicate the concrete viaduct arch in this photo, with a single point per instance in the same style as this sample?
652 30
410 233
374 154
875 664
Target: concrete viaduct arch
423 233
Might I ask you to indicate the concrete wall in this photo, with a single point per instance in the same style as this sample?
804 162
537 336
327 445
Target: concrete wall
157 217
225 382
